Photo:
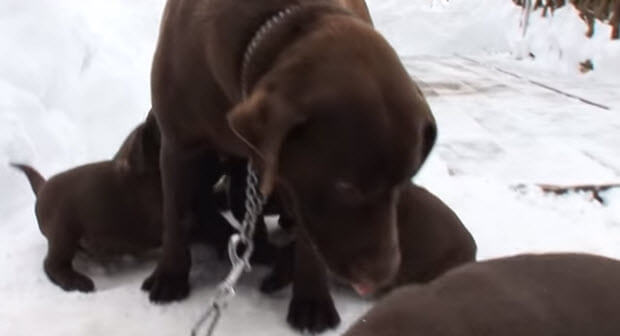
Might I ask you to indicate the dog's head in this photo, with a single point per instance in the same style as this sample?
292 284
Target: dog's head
340 137
140 150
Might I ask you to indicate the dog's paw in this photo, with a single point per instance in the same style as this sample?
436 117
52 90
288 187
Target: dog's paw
69 280
79 282
83 284
312 315
164 288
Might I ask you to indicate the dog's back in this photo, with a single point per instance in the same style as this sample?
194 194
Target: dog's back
534 295
431 236
110 210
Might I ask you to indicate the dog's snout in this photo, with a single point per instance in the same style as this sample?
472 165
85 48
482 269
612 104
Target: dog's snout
372 272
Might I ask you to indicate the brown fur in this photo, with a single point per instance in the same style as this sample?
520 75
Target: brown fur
104 209
432 241
534 295
333 122
432 238
358 7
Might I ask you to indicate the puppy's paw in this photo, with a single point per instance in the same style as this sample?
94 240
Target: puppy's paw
312 315
164 288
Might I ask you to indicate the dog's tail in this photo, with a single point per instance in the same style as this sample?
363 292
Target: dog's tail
36 180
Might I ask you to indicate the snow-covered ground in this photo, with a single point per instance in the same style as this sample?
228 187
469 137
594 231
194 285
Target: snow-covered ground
74 80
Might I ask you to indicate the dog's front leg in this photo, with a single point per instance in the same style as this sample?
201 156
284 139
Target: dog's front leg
312 307
187 174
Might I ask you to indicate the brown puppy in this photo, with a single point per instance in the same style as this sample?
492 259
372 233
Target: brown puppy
432 238
103 208
331 119
534 295
106 208
432 241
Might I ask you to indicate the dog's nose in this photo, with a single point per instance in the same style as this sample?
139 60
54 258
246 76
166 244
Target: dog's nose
364 289
370 274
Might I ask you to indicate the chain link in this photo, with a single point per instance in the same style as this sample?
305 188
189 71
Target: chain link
254 203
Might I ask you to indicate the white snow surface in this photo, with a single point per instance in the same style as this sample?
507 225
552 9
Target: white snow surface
74 80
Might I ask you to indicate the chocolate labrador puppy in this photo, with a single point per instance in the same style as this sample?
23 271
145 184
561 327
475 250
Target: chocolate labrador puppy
323 107
432 238
534 295
102 208
105 208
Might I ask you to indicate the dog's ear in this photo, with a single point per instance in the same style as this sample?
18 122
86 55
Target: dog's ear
125 152
263 122
151 141
140 151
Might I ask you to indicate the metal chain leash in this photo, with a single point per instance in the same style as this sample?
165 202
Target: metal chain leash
254 202
240 263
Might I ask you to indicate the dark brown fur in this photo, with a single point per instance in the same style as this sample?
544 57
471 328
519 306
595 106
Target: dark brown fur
432 241
534 295
333 122
104 209
432 238
358 7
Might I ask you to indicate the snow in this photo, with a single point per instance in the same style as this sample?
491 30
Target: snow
74 80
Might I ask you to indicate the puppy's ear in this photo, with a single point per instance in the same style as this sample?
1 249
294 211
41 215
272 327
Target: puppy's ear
140 151
125 152
151 142
263 122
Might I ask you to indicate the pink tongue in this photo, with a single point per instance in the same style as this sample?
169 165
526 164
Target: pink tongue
362 289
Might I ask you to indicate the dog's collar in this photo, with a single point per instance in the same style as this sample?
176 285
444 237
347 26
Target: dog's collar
258 37
268 28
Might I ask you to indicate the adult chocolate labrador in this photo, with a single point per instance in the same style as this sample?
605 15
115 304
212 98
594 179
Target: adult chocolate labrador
317 99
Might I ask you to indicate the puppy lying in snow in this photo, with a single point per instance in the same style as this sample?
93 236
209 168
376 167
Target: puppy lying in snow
533 295
432 240
106 208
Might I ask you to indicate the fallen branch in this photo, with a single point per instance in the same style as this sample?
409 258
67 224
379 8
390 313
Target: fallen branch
592 188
